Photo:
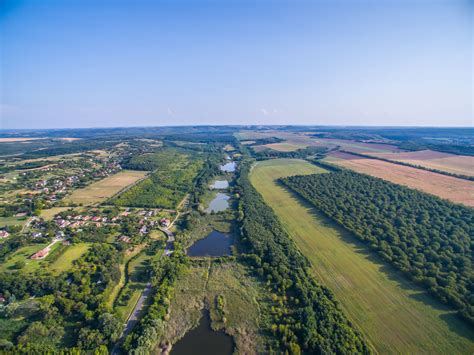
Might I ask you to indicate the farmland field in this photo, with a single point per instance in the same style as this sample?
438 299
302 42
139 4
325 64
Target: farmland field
298 140
395 316
447 187
455 164
105 188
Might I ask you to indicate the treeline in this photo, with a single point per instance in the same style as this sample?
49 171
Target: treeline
306 318
452 147
300 153
209 170
70 308
152 161
421 167
65 147
164 273
429 239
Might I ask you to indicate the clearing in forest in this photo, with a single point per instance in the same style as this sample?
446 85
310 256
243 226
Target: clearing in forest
394 315
454 189
101 190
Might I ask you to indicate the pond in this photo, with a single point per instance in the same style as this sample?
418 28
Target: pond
229 167
215 244
204 341
219 203
220 184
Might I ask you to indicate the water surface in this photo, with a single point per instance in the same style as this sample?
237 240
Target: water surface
220 184
228 167
215 244
219 203
204 341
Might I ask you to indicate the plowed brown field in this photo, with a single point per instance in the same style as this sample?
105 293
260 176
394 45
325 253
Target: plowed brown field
447 187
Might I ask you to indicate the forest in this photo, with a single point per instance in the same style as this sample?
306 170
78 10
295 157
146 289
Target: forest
427 238
172 177
307 318
300 153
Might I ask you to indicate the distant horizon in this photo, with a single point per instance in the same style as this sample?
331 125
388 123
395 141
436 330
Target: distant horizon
250 126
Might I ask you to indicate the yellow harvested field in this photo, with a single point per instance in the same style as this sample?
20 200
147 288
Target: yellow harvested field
447 187
455 164
395 316
101 190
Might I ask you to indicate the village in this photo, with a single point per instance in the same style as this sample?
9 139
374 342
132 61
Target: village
138 223
27 192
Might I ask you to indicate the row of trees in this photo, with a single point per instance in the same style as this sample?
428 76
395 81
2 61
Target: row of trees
421 167
164 273
431 240
306 317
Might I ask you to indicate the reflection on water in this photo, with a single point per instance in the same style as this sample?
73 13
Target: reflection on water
215 244
204 341
220 184
219 203
229 167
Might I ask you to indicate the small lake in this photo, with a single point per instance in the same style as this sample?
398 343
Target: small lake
229 167
215 244
219 203
220 184
204 341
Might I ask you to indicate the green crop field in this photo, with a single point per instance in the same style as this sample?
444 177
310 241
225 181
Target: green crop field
395 315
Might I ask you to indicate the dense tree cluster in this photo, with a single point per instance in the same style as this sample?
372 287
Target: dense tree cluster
306 318
173 176
428 238
300 153
71 304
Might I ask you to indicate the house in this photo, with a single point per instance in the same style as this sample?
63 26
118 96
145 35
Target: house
143 230
165 222
4 234
36 234
43 253
125 239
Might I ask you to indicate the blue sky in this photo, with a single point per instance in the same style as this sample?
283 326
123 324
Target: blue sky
125 63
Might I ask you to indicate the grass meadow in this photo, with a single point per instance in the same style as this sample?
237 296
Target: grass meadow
101 190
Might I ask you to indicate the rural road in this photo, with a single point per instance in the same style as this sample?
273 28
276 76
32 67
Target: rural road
135 315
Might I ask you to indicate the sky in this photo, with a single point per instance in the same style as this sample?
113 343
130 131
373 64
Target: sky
104 63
